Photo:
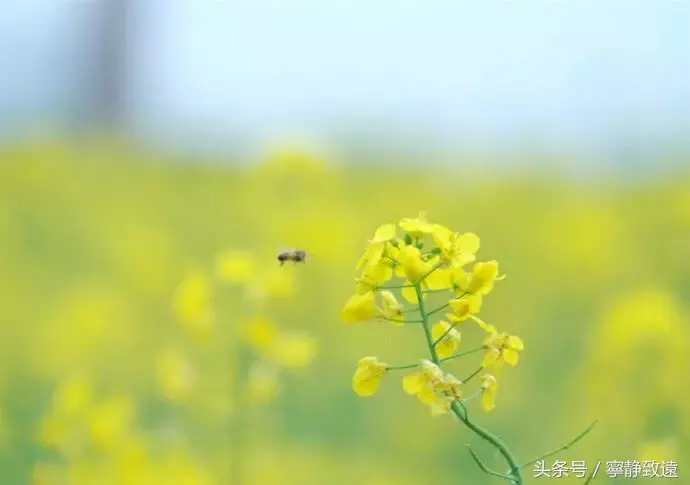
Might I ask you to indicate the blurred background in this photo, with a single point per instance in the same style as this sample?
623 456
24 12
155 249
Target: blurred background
155 156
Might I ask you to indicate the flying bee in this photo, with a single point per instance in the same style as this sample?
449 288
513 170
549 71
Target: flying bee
294 255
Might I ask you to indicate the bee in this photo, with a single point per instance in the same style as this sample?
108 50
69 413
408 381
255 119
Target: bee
294 255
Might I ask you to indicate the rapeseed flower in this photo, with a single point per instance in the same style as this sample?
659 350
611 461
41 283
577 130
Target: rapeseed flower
368 375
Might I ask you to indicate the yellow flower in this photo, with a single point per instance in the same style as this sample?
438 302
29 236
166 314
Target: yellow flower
482 279
489 390
235 266
422 383
409 293
372 255
391 308
384 233
456 249
377 274
418 227
448 390
359 308
502 347
440 279
414 267
465 307
367 377
451 338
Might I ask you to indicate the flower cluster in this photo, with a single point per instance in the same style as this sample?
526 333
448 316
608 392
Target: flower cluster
432 266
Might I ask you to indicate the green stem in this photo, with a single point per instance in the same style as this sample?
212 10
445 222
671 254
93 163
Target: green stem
468 378
433 268
425 324
486 469
466 352
451 327
398 320
457 408
450 357
394 287
495 441
442 307
401 367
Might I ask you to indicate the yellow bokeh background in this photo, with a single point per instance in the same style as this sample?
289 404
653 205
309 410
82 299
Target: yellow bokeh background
150 337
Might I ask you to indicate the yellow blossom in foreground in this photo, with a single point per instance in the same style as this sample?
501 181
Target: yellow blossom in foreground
384 233
414 267
421 384
359 308
482 279
466 306
377 274
489 390
367 377
441 278
418 227
372 255
451 338
409 293
447 390
392 309
456 249
502 347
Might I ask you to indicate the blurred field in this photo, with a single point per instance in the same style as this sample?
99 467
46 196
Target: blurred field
104 380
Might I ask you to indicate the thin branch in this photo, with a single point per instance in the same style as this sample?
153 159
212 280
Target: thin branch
468 378
451 327
442 307
565 446
401 367
460 354
486 469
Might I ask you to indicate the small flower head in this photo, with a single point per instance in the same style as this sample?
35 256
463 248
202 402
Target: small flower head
368 375
448 390
372 255
384 233
422 383
465 307
413 265
392 309
359 308
418 227
502 347
450 338
482 279
489 390
457 249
